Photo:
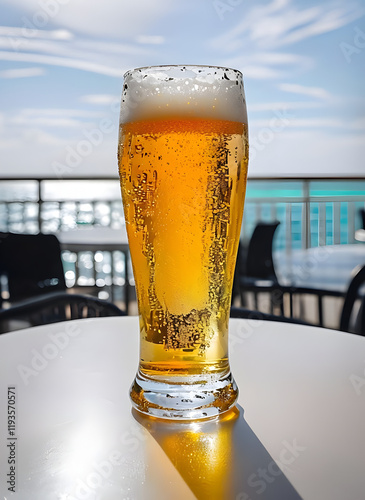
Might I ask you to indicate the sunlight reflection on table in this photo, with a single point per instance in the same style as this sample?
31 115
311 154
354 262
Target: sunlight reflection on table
219 458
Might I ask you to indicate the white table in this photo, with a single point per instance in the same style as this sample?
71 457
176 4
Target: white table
325 267
102 238
299 431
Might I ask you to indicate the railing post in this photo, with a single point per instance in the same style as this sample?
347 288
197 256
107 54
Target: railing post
322 223
307 214
258 211
351 210
40 202
336 222
288 227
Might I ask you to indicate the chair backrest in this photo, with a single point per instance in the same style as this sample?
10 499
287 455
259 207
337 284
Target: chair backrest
32 264
259 261
352 295
57 306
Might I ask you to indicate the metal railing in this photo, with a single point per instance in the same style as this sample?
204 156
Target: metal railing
307 219
310 218
310 214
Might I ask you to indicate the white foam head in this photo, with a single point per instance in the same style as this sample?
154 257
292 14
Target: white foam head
183 91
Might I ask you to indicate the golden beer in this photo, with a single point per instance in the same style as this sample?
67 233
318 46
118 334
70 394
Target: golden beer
183 177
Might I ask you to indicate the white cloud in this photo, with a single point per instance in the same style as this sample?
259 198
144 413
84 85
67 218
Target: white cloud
63 61
280 58
99 99
282 105
271 28
295 153
265 28
330 20
34 45
252 20
106 47
43 149
316 92
28 139
63 112
87 50
48 122
22 72
270 58
270 65
150 39
17 32
283 23
91 55
294 123
114 19
43 119
62 45
258 72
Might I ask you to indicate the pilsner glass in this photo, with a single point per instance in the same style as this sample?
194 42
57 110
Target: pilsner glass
183 153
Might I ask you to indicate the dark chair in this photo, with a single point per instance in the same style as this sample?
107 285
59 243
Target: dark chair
255 266
32 264
55 307
259 263
352 294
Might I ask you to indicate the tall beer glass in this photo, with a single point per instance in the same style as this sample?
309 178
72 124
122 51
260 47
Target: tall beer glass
183 153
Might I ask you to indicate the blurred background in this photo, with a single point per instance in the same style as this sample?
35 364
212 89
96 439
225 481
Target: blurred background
61 67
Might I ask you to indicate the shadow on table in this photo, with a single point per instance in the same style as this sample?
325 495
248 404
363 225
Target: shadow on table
223 458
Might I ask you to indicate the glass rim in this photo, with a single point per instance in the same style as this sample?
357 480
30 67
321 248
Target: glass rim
182 66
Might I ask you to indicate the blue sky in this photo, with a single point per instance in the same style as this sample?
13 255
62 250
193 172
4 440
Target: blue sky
62 61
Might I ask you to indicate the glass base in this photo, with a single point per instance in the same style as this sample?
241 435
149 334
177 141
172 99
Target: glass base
187 398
